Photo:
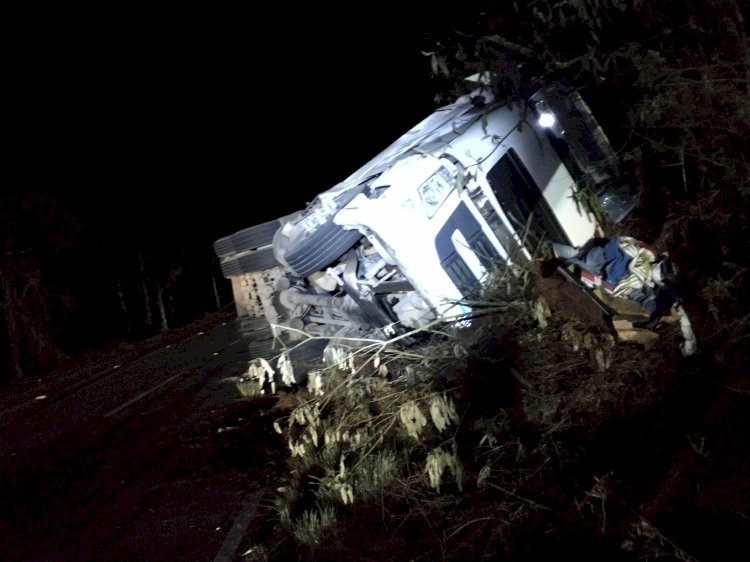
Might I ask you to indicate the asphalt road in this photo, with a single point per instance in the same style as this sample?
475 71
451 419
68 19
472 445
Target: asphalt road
156 459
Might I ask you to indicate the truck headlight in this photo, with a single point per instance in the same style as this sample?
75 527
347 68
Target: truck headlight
546 119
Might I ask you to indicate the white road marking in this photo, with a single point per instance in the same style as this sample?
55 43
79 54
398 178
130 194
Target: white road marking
237 532
141 395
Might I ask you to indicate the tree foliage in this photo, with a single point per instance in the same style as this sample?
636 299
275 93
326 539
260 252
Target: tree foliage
69 286
35 229
669 82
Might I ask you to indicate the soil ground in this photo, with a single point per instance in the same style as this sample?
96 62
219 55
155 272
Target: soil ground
671 445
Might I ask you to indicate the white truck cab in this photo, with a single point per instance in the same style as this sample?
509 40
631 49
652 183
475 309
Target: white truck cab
404 240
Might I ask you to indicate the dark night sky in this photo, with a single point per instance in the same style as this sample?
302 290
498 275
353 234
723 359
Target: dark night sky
205 122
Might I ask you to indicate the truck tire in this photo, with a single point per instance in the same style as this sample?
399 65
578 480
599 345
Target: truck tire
255 236
223 247
250 327
258 260
310 253
262 347
306 356
247 239
310 353
321 248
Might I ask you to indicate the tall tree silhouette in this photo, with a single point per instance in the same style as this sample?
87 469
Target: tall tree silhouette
34 228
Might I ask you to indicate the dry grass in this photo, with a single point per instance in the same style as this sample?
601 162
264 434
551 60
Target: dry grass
493 422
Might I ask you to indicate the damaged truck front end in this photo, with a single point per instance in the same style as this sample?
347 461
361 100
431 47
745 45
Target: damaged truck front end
399 245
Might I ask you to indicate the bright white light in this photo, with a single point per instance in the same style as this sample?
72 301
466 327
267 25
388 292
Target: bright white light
546 119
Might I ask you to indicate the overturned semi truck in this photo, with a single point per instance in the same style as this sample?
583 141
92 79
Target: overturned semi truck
400 243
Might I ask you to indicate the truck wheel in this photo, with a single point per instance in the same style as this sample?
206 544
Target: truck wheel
247 326
310 353
262 345
223 247
307 356
255 236
247 239
321 248
254 261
